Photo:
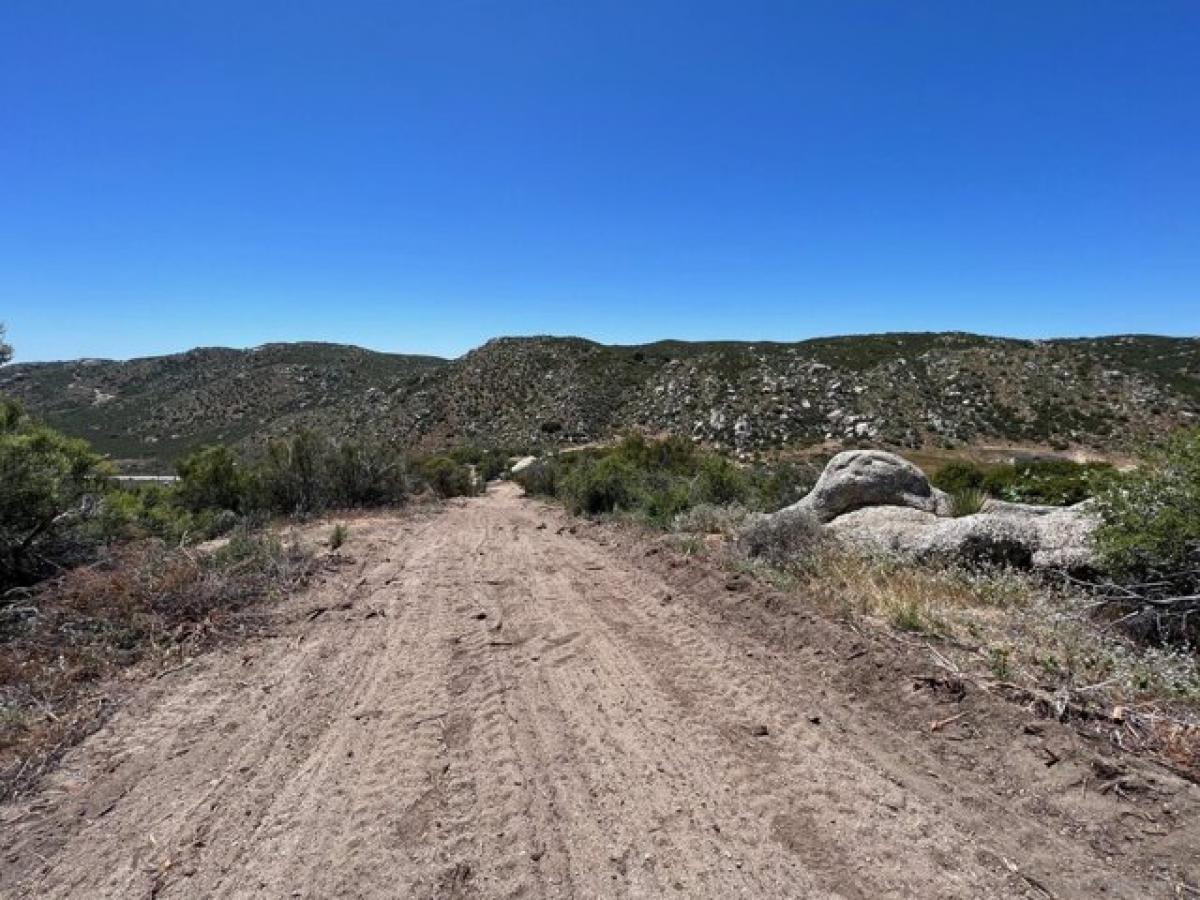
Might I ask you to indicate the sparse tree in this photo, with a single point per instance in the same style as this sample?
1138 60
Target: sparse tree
6 350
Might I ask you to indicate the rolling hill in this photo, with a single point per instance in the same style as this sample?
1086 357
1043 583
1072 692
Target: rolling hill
905 390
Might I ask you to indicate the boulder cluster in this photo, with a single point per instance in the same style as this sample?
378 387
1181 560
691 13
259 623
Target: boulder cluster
880 503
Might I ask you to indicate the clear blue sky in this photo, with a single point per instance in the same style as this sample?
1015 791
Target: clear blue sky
422 176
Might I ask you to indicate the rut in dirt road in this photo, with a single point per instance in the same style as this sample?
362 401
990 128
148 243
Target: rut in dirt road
484 704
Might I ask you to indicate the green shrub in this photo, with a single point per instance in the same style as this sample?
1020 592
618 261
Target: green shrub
674 455
720 482
1151 516
660 498
306 474
445 477
782 484
908 615
540 479
212 478
289 479
154 511
1057 482
967 501
659 480
49 485
602 486
364 475
492 465
1000 660
957 477
489 463
338 536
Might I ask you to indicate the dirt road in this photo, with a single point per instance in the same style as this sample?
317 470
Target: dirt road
479 702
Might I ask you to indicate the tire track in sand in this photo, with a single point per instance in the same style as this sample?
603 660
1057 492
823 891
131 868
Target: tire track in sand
510 710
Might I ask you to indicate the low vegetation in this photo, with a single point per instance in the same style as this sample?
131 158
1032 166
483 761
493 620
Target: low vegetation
967 501
1152 516
60 506
489 462
1054 482
1150 544
657 481
338 536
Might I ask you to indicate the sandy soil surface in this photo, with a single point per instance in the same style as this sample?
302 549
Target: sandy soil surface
494 701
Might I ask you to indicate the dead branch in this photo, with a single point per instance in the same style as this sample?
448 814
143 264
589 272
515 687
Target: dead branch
942 723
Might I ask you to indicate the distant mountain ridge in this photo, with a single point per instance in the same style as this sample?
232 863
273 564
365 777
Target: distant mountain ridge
904 389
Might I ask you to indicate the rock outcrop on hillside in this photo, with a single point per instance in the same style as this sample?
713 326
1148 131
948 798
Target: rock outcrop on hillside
880 503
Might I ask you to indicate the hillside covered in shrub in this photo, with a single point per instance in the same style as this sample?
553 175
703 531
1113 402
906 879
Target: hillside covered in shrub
902 390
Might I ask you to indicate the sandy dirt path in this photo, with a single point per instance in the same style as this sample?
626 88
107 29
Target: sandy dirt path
480 702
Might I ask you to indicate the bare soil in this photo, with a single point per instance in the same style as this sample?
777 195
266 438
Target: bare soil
493 700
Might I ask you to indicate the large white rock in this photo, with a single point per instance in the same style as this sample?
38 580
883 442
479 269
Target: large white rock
1064 533
880 503
857 478
522 464
1059 539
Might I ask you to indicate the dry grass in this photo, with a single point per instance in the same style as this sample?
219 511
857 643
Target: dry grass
1012 625
914 598
62 643
708 518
